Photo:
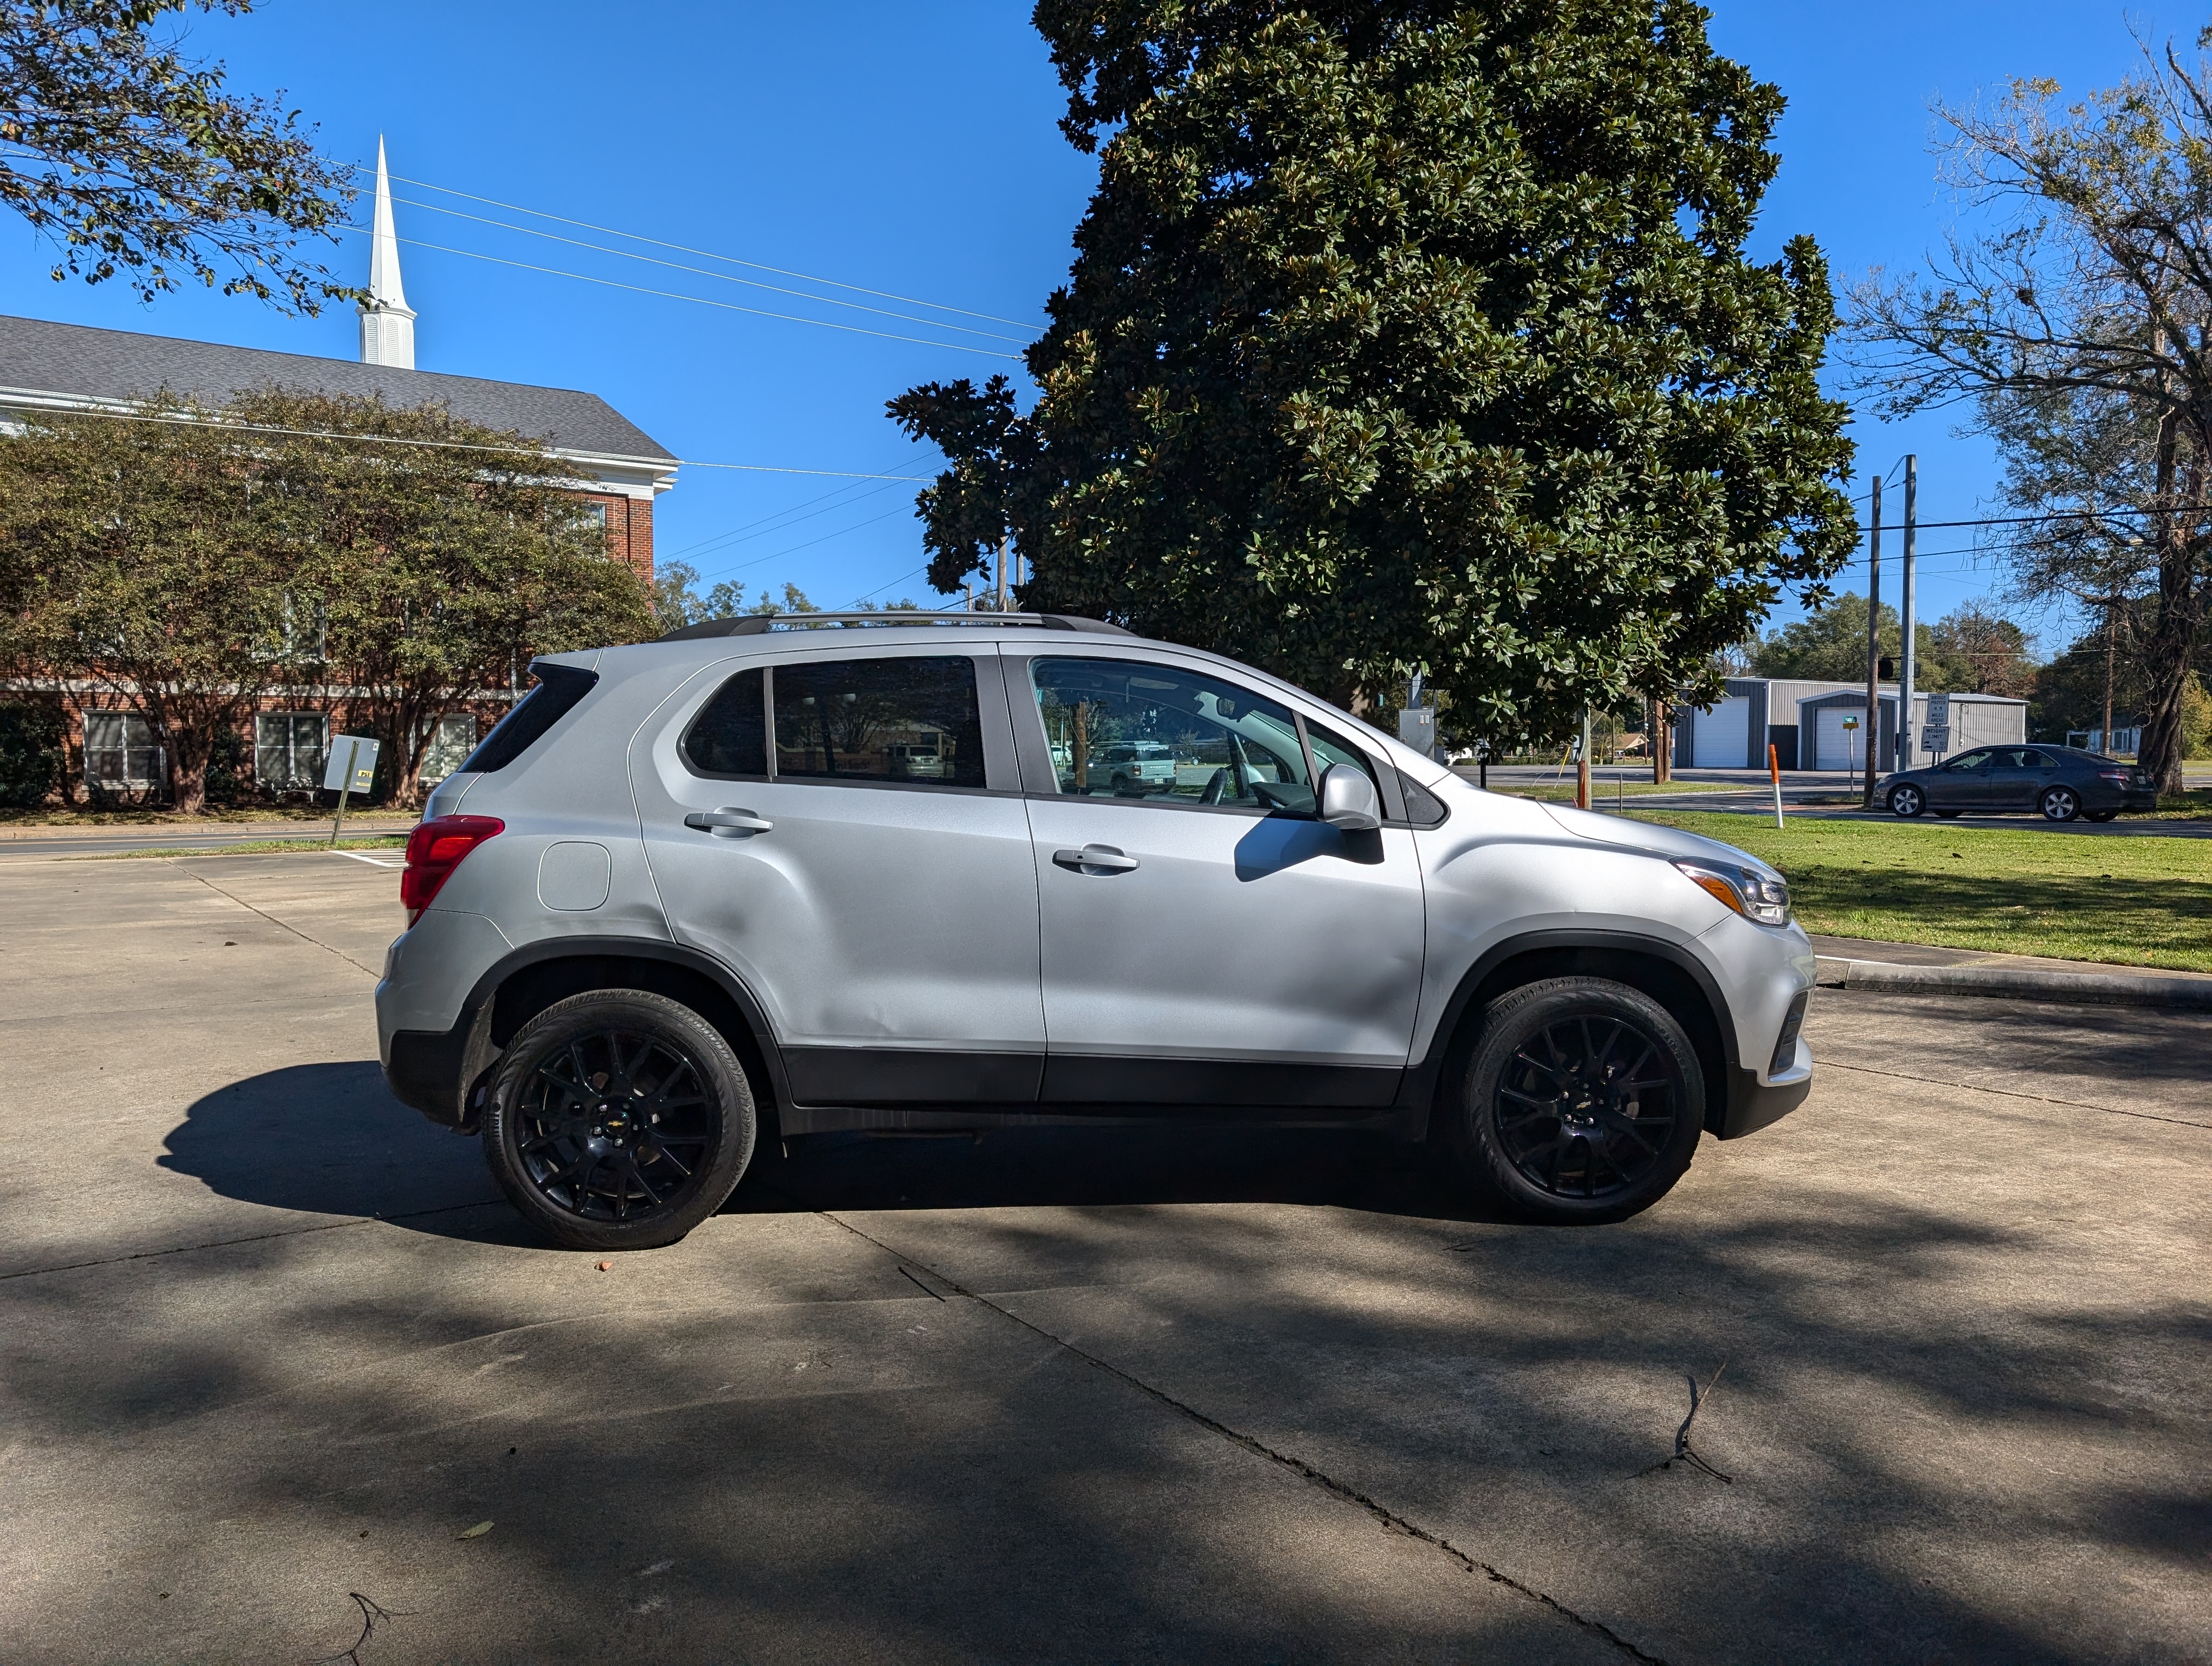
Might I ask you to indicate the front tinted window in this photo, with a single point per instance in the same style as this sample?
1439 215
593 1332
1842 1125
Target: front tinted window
1972 760
729 737
1119 728
905 720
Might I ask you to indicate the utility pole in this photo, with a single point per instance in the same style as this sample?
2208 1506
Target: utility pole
999 572
1872 727
2111 636
1907 753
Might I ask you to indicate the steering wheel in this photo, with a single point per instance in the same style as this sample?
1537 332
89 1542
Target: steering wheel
1217 788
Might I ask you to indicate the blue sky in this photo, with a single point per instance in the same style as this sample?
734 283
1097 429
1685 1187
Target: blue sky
912 151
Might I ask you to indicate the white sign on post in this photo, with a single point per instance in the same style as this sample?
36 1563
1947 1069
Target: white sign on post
352 765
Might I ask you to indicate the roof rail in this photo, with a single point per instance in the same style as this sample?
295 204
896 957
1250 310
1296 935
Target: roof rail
759 624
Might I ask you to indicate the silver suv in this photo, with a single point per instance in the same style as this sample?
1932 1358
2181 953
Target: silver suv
898 876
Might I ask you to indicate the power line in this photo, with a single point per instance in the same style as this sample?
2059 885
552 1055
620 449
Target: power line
701 271
746 528
880 588
790 549
700 301
709 254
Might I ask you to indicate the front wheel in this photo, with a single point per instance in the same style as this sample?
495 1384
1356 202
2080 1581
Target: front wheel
1582 1103
2059 804
1907 800
619 1120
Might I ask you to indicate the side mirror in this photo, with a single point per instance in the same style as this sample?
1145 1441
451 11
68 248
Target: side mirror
1348 798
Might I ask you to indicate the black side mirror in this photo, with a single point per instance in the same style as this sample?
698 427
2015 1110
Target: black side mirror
1348 798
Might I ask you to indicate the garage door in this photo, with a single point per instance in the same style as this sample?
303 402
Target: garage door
1835 746
1722 740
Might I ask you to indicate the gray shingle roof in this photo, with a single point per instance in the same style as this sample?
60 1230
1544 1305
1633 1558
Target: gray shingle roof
80 362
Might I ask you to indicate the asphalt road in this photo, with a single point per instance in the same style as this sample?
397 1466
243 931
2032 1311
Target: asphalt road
268 1341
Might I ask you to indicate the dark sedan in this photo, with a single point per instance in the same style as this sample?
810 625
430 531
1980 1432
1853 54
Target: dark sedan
2057 782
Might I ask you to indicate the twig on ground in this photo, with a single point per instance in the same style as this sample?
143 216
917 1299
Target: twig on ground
371 1612
1682 1454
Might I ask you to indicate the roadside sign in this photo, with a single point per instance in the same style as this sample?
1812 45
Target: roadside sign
1936 738
352 765
1416 727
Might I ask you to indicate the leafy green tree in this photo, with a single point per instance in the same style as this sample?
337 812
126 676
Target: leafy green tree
422 572
1967 651
1412 335
967 516
676 601
131 563
2076 321
135 159
186 562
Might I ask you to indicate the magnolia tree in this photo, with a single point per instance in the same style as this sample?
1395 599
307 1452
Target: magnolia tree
1403 336
399 561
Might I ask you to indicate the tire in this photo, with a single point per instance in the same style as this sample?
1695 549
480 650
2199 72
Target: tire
566 1145
1946 815
2099 815
1529 1129
2059 804
1907 800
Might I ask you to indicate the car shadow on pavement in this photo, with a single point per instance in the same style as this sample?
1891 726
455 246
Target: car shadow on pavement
330 1139
1077 1167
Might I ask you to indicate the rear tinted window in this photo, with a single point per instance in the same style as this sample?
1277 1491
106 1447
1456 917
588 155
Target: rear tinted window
896 719
559 688
729 737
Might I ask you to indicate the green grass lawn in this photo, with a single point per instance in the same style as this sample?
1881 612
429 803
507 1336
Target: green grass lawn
2138 902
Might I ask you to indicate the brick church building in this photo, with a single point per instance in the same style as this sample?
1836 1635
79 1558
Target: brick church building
65 367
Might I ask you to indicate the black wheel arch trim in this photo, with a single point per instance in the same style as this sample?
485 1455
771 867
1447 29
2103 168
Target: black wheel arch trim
1730 1089
442 1074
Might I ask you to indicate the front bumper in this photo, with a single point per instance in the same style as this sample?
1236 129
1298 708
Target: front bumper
1753 1104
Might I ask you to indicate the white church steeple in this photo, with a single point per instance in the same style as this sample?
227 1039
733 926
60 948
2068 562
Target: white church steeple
387 326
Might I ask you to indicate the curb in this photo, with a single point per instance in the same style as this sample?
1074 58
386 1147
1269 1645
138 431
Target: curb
2185 994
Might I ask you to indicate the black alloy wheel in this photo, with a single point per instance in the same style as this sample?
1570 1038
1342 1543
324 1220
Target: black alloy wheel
1906 801
2059 804
1584 1100
619 1120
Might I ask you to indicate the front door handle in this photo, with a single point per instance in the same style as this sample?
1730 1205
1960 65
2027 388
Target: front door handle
728 824
1095 859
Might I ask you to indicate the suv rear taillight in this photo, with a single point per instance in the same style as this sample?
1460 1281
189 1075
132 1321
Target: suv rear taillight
434 850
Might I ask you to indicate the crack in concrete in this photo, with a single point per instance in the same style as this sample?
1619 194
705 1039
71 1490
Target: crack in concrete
250 1238
271 918
1389 1518
2012 1093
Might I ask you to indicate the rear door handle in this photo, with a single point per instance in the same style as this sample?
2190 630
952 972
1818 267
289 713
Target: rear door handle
728 824
1095 859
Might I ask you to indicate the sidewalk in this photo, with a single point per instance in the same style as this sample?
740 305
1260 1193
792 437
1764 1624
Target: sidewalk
26 842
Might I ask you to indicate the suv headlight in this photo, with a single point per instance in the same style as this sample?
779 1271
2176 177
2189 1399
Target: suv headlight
1748 891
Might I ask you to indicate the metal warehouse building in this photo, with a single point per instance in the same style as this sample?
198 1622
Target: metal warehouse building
1804 721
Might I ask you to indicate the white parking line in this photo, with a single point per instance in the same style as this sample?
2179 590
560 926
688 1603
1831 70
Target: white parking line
374 862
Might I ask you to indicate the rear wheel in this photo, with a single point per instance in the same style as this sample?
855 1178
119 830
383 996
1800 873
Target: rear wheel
1946 815
2099 815
619 1120
1906 801
2059 804
1582 1102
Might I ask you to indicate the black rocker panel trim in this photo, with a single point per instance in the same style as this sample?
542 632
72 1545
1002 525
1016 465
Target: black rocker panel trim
1079 1079
898 1076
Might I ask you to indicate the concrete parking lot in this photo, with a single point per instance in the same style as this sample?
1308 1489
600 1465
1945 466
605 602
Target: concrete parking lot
272 1351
